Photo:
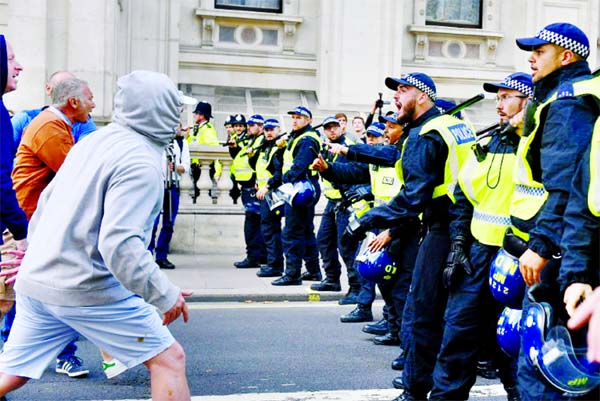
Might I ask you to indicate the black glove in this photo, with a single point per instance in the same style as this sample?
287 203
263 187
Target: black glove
354 232
458 260
379 103
359 192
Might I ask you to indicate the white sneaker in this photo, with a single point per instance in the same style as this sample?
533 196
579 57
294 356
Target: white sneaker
113 368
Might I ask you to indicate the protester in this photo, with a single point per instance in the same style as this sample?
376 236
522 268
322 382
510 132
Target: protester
88 269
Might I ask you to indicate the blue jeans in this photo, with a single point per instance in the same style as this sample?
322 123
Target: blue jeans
161 250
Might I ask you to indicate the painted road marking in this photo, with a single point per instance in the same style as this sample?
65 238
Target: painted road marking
494 390
268 304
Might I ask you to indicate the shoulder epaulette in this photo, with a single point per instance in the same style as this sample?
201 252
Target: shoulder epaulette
565 90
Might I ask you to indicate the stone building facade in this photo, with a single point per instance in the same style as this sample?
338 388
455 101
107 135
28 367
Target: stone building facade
266 56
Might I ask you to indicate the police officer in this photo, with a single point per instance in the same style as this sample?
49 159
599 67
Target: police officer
580 242
244 156
334 221
299 243
436 146
231 136
480 219
203 133
386 180
558 128
268 178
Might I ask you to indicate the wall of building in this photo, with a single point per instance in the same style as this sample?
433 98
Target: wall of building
340 50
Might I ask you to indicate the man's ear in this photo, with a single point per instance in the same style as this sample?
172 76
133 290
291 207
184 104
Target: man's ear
422 98
73 102
567 57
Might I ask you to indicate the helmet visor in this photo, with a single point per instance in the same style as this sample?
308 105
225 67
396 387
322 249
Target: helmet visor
567 368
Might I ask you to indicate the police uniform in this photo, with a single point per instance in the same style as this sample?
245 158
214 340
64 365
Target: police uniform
333 223
580 238
298 238
203 134
481 211
244 158
386 180
234 192
268 175
558 127
580 242
436 147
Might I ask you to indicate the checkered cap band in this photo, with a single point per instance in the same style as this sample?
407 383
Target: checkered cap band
518 86
421 86
564 41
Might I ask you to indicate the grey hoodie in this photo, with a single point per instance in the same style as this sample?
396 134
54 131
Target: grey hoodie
89 235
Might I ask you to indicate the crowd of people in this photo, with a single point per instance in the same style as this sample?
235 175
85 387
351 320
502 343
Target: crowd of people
432 213
484 245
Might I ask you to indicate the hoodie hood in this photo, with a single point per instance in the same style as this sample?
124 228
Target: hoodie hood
149 103
3 64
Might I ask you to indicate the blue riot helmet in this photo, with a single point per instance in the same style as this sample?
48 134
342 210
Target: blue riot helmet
508 331
301 193
378 267
506 282
304 193
549 349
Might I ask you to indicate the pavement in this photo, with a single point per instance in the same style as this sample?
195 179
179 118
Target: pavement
213 278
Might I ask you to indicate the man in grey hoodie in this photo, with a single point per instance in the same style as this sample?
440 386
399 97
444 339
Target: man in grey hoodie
87 268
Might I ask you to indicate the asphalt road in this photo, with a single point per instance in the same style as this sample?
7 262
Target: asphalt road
254 352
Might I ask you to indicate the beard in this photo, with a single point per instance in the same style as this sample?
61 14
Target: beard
407 112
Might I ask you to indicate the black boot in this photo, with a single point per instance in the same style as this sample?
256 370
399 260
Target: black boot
358 315
378 328
387 339
286 280
306 276
165 264
326 285
247 264
398 363
269 272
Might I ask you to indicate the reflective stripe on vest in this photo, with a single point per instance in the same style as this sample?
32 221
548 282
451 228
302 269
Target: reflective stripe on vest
458 137
527 200
529 195
262 173
241 163
491 205
288 154
594 190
